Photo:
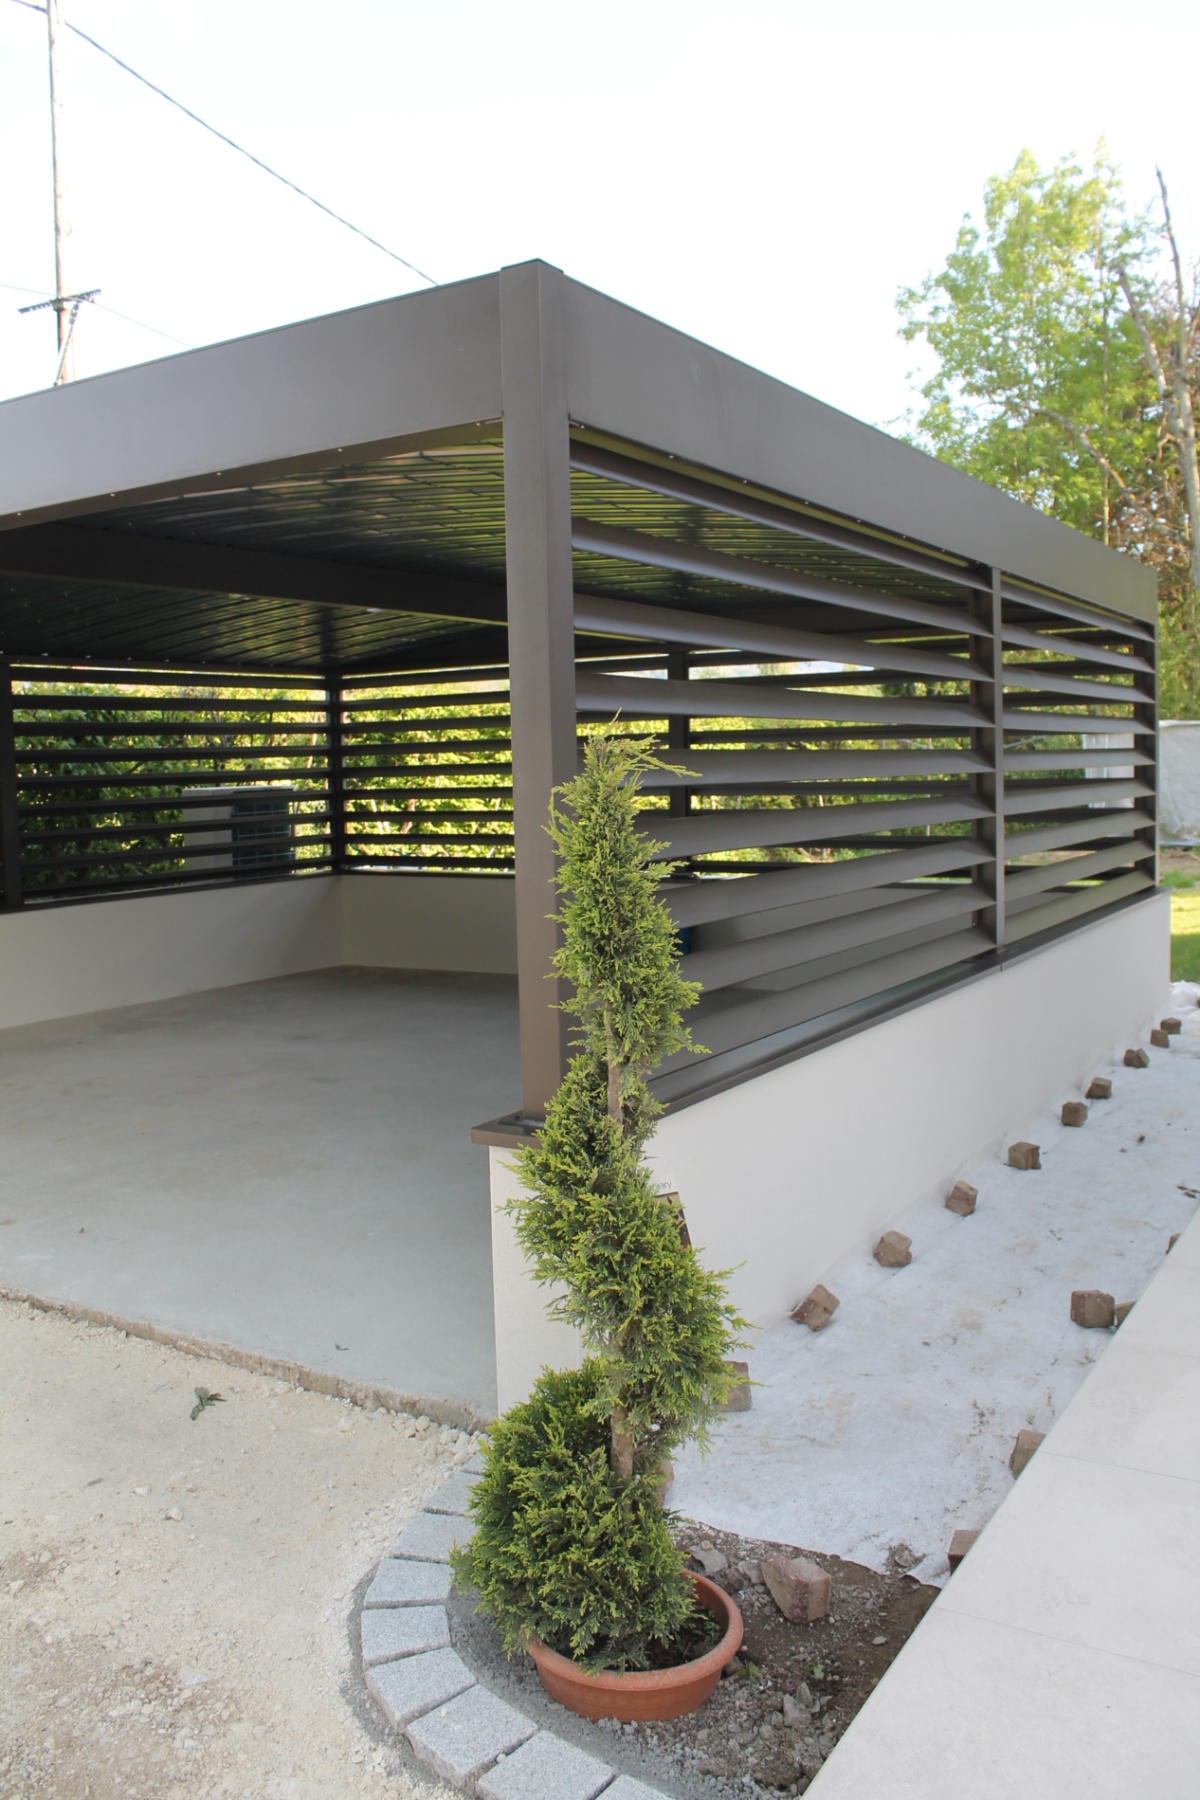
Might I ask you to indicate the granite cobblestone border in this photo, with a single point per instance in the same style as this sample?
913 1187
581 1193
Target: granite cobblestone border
451 1720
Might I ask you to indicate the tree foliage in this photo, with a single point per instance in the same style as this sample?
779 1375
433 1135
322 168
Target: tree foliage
655 1323
1044 383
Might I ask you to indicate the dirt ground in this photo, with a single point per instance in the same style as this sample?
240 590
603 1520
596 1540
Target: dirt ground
174 1594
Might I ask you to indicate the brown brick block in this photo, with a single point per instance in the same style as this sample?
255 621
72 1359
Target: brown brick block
1160 1039
1024 1156
1172 1241
1136 1059
961 1199
1099 1088
1122 1312
1027 1443
1172 1027
1074 1112
1092 1308
894 1250
798 1587
738 1397
960 1543
818 1309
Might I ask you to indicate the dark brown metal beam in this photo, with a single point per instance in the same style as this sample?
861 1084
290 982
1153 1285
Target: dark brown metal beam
10 835
81 553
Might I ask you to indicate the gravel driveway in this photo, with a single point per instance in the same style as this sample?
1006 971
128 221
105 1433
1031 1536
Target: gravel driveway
174 1594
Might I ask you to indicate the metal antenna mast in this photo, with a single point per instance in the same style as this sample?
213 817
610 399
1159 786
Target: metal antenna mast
66 306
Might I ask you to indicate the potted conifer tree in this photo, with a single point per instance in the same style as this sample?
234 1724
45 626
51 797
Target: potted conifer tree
572 1555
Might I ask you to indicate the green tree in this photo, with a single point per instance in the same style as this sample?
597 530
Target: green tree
571 1543
1046 323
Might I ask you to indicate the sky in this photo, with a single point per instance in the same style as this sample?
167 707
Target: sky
764 175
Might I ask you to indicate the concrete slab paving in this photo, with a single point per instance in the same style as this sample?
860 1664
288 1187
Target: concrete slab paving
454 1493
406 1689
467 1734
406 1583
283 1166
546 1768
430 1537
390 1632
626 1788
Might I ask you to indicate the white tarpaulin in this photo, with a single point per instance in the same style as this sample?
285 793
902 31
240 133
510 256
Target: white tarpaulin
1179 781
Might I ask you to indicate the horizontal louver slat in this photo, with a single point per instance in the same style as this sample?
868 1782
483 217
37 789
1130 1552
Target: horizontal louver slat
703 833
639 696
897 913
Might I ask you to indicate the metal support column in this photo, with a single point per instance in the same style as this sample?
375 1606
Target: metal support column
541 639
335 781
1146 716
988 742
10 834
679 730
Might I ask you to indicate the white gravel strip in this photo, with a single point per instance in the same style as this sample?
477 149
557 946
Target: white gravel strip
894 1424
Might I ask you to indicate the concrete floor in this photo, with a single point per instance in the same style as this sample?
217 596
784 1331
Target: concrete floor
284 1166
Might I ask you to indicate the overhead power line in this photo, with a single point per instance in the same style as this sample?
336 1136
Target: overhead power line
32 6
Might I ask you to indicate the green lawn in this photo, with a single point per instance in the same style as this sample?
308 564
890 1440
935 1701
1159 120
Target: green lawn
1185 935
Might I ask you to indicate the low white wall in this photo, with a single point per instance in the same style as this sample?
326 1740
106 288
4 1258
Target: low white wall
785 1174
466 922
57 961
61 960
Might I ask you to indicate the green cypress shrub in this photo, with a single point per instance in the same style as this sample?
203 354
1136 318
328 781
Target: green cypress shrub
571 1544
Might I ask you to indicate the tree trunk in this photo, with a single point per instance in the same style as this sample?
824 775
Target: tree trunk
1174 387
620 1458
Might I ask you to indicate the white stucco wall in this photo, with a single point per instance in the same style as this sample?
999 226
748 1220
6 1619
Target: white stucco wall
465 922
58 961
785 1174
61 960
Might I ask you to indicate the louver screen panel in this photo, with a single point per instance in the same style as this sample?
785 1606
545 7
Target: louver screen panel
860 724
128 781
1079 761
427 772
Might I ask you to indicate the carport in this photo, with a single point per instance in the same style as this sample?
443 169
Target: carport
385 566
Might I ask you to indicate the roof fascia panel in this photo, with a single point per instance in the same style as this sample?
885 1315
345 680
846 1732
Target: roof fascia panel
638 380
348 383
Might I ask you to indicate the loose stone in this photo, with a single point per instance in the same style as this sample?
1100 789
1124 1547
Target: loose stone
961 1199
1022 1155
799 1588
1172 1027
894 1250
1136 1059
1122 1312
1074 1112
1023 1450
1092 1308
738 1397
1099 1088
1160 1039
960 1543
818 1309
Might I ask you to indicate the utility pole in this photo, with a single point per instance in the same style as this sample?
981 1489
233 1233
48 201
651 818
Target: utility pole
66 306
66 355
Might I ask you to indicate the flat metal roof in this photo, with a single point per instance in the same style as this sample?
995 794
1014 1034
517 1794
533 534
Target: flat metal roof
330 495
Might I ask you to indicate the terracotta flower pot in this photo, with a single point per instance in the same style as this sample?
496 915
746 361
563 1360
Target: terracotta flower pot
650 1693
